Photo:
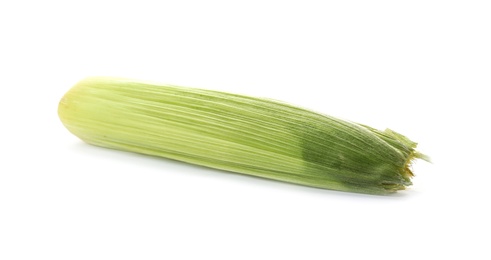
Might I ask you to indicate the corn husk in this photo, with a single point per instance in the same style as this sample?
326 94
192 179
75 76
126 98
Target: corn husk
237 133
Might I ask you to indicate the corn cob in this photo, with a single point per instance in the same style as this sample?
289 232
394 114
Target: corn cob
237 133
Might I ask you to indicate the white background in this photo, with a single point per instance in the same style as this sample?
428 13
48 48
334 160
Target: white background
421 68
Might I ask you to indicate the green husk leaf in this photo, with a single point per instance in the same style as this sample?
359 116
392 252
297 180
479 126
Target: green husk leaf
237 133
